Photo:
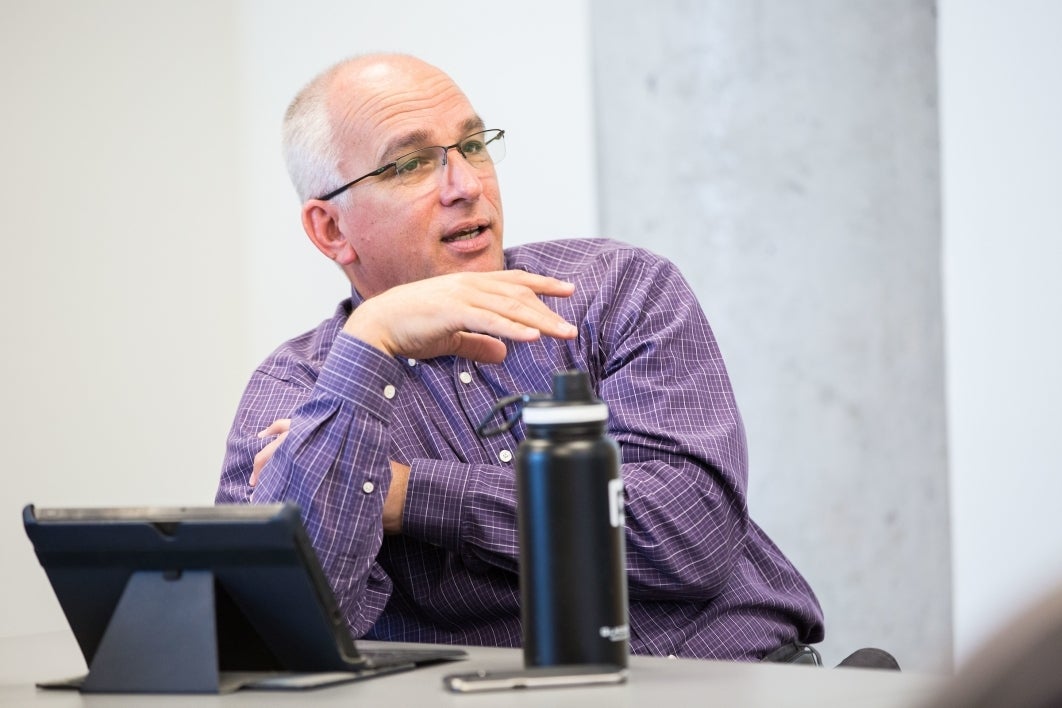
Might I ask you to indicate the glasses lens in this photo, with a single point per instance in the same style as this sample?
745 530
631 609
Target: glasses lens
486 147
418 166
480 148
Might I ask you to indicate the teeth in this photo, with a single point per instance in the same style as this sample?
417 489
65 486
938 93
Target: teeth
464 235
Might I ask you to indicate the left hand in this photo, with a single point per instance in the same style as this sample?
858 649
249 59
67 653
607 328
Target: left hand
279 428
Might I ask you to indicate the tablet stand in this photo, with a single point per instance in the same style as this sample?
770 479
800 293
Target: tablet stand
162 638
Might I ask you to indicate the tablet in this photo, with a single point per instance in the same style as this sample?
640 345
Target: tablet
200 599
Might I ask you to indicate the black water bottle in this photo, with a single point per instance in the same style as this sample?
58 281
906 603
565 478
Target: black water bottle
573 581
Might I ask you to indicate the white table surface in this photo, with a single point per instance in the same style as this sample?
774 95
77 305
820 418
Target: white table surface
653 683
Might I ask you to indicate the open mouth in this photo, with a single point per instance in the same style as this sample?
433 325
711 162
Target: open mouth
464 235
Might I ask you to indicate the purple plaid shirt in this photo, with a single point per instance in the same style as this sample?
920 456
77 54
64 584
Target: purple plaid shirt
704 580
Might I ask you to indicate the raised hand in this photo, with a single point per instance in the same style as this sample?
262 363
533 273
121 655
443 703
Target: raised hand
463 314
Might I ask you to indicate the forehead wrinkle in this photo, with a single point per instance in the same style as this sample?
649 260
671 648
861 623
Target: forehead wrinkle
418 138
388 98
406 142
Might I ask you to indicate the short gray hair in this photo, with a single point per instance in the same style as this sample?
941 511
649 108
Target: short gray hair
310 150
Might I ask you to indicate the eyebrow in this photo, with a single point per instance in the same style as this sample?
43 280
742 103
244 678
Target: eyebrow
416 139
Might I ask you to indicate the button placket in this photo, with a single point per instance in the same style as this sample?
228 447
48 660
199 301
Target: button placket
475 401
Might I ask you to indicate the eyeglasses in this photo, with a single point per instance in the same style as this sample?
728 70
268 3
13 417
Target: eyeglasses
487 147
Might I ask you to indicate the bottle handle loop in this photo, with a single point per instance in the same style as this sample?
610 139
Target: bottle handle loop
519 399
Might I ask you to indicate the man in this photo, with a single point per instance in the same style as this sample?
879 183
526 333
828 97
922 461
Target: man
368 421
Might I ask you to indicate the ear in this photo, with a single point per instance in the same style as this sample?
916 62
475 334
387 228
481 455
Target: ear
320 221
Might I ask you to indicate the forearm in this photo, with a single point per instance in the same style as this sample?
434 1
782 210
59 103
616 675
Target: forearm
467 509
684 530
683 527
333 464
673 413
340 488
684 471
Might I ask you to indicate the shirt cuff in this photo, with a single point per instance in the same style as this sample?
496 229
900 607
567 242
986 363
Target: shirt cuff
361 374
434 500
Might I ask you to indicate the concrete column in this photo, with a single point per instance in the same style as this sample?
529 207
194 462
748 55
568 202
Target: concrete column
785 154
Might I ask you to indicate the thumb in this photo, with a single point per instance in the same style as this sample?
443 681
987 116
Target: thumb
480 347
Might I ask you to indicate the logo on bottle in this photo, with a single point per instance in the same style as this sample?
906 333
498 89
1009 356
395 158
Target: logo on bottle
619 633
615 503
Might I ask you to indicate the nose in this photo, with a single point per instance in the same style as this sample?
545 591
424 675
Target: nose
460 180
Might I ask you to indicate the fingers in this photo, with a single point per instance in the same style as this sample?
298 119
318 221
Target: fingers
459 313
480 347
279 428
511 307
541 284
280 425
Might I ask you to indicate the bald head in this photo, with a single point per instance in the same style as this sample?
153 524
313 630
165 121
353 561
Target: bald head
323 119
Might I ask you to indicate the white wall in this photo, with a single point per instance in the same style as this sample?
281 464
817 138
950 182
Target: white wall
1001 119
152 247
121 288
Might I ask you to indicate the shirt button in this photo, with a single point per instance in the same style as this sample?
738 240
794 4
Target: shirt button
368 487
505 456
389 392
411 362
466 378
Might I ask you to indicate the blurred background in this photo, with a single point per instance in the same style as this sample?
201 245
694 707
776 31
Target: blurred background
865 195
